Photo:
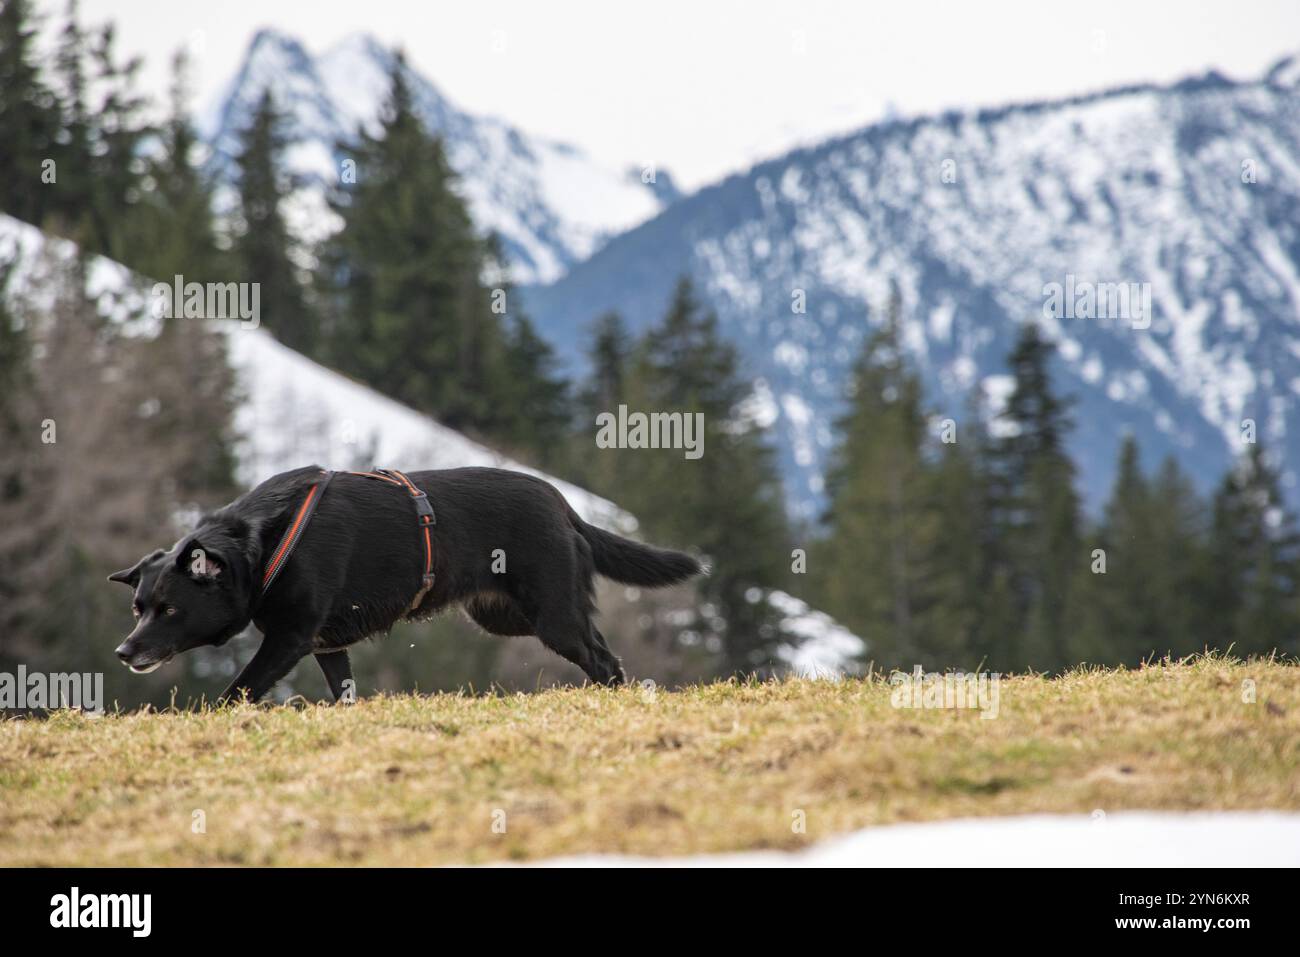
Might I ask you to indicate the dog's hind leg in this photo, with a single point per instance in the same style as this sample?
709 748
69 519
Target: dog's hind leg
562 614
603 646
565 639
338 674
569 633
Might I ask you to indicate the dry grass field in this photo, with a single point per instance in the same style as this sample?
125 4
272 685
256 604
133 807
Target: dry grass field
448 779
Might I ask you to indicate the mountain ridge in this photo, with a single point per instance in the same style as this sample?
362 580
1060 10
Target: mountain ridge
1102 185
549 202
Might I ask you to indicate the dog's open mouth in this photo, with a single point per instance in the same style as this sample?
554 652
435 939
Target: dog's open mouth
144 667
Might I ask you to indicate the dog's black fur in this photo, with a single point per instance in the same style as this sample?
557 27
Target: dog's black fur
359 564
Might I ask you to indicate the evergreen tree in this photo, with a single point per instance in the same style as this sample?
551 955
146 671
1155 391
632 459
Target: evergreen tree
76 182
1116 619
421 307
1254 579
101 166
262 243
1036 512
73 131
29 117
610 354
962 602
1178 563
1149 600
874 561
178 233
904 562
728 502
18 439
534 408
413 318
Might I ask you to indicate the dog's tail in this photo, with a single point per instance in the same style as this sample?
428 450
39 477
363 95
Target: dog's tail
633 563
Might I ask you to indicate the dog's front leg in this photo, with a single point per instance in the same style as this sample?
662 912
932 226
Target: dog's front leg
275 659
338 674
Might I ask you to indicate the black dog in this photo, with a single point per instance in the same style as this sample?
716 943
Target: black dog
505 545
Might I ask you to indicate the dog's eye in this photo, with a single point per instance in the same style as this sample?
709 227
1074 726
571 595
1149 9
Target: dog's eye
136 610
168 609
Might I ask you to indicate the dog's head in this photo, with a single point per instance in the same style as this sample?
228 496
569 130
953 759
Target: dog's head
196 594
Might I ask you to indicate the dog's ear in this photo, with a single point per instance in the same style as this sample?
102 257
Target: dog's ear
200 562
131 576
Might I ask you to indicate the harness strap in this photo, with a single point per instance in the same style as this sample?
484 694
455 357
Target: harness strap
293 534
425 518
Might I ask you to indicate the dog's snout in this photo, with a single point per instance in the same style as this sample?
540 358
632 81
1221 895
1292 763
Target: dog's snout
124 652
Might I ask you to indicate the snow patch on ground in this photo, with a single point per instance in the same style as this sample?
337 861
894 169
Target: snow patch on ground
1123 839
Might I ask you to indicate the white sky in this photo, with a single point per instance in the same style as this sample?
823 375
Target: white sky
705 87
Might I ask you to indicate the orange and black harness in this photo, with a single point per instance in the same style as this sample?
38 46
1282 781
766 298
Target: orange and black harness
293 534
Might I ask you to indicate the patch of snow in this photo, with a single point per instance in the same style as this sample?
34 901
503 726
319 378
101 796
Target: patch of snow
296 411
941 320
1122 839
760 406
800 416
825 649
791 355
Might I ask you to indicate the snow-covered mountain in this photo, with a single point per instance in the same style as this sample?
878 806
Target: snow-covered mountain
1193 189
551 204
294 411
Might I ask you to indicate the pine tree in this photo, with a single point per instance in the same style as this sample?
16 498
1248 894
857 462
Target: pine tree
610 354
262 243
534 409
1147 599
29 117
177 234
873 563
962 604
728 502
100 155
77 216
412 317
1036 511
1114 621
610 358
18 439
1255 549
1179 531
73 131
904 562
421 307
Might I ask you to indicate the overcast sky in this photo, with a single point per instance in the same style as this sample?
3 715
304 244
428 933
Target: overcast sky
705 87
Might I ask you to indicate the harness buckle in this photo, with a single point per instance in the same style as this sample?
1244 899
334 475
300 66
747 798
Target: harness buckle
423 509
